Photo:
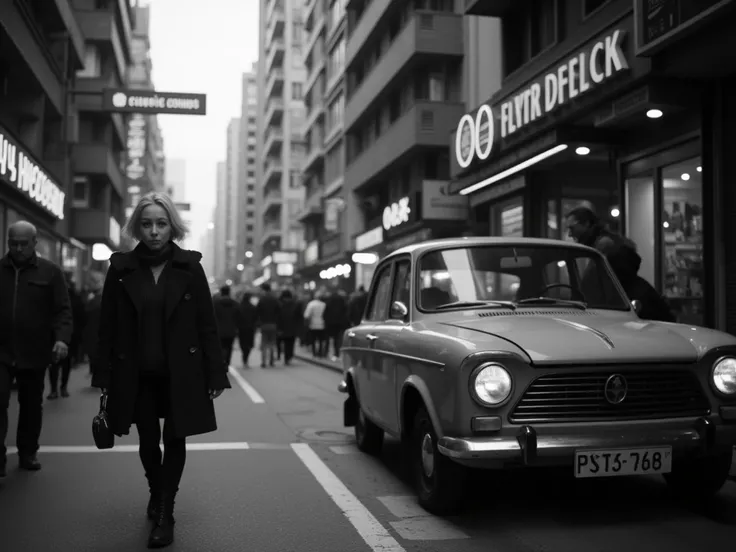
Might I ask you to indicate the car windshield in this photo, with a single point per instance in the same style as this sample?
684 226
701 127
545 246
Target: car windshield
539 275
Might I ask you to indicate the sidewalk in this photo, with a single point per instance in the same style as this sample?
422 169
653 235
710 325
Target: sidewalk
302 354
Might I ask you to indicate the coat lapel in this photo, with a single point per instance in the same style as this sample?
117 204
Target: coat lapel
133 283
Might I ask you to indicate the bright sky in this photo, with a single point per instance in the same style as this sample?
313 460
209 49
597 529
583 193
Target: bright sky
202 47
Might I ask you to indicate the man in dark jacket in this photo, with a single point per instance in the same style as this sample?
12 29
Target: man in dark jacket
226 313
356 306
268 319
585 227
35 331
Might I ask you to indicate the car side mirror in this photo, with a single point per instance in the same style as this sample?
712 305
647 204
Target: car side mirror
637 306
398 311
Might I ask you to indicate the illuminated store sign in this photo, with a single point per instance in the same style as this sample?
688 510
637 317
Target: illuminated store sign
20 170
582 72
396 214
153 102
136 146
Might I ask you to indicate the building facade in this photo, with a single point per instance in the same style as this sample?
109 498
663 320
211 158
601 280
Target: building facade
40 51
326 244
219 227
281 116
99 154
233 198
247 235
609 101
404 95
145 162
175 185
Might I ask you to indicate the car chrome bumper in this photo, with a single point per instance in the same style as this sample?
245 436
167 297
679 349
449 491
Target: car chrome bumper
530 447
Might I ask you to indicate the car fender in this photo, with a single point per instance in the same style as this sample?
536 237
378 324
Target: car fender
351 380
421 387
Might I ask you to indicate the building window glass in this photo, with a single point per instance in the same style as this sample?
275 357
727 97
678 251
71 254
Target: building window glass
639 205
92 63
682 240
589 6
296 90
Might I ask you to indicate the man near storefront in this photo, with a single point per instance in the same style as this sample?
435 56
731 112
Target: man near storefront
35 331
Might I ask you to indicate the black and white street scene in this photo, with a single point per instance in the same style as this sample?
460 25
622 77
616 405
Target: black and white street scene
367 275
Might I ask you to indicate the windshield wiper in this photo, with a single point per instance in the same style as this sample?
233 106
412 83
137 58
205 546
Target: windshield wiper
550 300
476 304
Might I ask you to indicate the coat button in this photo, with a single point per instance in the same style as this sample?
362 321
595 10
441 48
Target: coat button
192 350
187 297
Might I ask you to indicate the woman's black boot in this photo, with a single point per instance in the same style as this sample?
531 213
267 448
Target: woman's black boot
162 534
153 501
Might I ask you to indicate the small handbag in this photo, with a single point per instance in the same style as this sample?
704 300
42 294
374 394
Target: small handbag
101 430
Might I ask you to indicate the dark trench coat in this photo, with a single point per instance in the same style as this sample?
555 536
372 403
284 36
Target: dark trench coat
194 355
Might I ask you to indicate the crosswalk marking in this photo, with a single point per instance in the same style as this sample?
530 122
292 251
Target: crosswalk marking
416 523
194 447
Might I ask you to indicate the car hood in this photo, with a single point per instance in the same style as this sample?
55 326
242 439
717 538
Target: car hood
591 338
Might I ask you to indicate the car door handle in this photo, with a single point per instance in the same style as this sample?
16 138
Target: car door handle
351 334
371 337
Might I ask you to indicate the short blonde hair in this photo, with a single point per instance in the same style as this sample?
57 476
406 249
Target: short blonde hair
179 228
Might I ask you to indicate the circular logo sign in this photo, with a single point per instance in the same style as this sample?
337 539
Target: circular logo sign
616 389
474 136
119 99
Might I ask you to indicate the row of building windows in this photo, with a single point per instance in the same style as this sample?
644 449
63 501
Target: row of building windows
336 60
336 13
335 113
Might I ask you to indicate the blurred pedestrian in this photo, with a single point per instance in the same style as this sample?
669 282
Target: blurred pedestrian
356 306
158 353
290 322
226 313
64 367
246 326
315 322
35 331
336 320
268 319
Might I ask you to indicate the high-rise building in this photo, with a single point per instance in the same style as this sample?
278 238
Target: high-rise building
404 76
220 227
326 244
281 116
176 186
247 236
40 46
98 157
233 194
145 147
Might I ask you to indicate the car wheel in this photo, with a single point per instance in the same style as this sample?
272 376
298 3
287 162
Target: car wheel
368 435
440 482
700 478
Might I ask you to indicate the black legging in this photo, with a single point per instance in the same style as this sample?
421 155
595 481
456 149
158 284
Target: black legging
153 404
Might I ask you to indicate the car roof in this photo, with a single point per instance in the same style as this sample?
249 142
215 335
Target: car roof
417 249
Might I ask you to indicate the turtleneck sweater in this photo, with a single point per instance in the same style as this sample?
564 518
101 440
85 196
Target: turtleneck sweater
152 320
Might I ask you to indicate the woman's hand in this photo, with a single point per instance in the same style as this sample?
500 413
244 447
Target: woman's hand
214 393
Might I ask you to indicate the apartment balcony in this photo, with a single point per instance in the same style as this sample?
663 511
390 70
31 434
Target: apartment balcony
272 202
275 57
276 26
274 7
427 124
316 114
372 22
316 33
98 161
314 73
92 226
274 112
308 9
275 84
274 141
100 26
312 209
88 99
270 231
490 8
426 35
273 172
315 157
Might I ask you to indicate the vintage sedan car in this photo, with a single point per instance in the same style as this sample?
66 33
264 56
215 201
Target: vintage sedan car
503 353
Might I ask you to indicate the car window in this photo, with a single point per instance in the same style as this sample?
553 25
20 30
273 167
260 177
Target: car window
378 306
402 282
557 274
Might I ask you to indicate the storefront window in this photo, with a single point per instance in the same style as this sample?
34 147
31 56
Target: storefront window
507 219
640 210
682 240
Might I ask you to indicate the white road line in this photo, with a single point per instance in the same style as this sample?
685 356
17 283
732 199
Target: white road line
417 523
368 527
254 395
194 447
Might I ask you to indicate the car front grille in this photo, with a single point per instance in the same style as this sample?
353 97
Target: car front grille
579 397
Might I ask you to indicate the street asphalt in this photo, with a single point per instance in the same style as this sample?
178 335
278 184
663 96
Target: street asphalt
281 474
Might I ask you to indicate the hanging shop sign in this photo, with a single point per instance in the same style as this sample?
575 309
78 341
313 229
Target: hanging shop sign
152 102
20 170
396 214
136 146
582 72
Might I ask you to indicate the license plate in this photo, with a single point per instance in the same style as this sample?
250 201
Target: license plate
613 462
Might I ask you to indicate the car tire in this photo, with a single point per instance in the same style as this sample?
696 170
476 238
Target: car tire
368 436
441 486
700 478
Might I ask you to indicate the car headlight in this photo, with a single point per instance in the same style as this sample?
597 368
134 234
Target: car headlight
724 375
491 384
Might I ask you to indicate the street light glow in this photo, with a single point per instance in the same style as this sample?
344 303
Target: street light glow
241 267
248 254
211 226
